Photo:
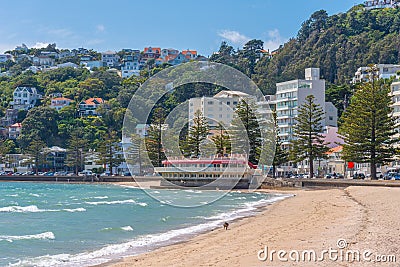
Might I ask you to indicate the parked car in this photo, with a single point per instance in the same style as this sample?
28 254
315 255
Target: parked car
3 173
396 176
359 176
85 173
328 175
49 174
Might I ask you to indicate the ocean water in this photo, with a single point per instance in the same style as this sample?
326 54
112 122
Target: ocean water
82 224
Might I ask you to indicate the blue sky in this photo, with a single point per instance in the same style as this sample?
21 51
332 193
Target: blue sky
113 25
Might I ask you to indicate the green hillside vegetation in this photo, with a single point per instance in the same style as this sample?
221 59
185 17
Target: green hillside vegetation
337 44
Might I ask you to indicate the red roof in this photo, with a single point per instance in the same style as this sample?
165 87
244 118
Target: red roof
154 50
335 150
193 52
16 125
62 98
94 101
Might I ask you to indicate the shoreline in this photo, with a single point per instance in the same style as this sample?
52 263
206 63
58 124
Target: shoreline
187 238
314 219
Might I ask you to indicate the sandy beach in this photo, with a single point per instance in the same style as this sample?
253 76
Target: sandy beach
366 218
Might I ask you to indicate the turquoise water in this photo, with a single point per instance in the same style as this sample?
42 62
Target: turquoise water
81 225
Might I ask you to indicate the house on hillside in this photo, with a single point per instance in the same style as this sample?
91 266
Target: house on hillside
24 98
5 57
190 54
151 52
88 107
60 102
14 131
110 59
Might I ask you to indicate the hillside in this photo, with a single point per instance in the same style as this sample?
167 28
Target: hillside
337 44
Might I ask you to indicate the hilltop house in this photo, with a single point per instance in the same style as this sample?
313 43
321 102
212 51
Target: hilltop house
130 66
110 59
60 102
5 57
88 107
14 130
190 54
151 52
25 98
383 71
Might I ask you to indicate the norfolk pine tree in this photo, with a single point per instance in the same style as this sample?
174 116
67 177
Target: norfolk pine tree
197 134
245 117
221 140
153 142
308 141
76 146
367 126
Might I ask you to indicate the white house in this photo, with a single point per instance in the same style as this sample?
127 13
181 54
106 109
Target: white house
67 65
60 102
88 107
92 64
14 130
5 57
110 58
24 98
384 71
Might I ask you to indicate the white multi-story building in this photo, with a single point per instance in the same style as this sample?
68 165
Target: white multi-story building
384 71
377 4
110 59
130 66
395 94
218 108
292 94
25 98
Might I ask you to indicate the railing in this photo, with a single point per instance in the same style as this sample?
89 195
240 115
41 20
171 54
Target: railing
201 169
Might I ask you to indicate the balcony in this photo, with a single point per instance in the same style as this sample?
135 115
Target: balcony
217 170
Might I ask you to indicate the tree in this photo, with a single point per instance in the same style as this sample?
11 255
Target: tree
198 132
40 121
136 153
153 142
245 119
110 151
367 126
35 150
251 53
222 141
308 141
6 147
76 147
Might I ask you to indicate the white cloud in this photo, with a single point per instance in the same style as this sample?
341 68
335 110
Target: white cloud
94 42
100 28
234 36
63 33
40 45
6 47
274 40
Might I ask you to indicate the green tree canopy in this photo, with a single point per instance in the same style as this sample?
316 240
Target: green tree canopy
308 142
367 126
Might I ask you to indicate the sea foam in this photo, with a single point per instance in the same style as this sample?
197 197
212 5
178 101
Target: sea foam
11 238
144 243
